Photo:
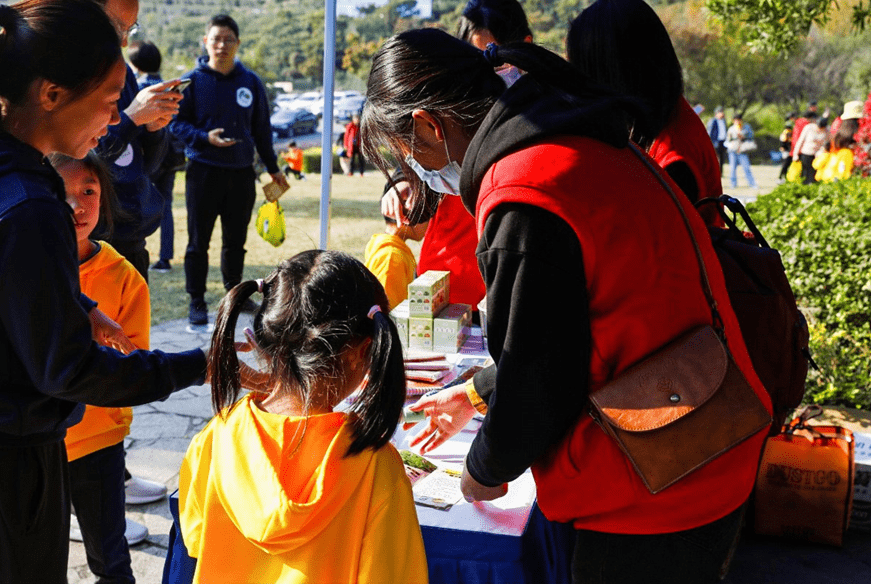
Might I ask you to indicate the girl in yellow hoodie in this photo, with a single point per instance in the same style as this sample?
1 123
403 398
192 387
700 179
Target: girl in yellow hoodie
279 487
95 446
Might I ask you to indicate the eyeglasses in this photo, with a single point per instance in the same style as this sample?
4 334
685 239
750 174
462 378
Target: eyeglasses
125 34
228 41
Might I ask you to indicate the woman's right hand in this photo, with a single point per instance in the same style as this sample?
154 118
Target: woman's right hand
391 203
448 412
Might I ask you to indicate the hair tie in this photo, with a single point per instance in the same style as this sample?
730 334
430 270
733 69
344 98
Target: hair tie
372 311
491 57
259 285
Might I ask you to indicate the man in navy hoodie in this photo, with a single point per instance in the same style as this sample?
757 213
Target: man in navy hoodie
223 118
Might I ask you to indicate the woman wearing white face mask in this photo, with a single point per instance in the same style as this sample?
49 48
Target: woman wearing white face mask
589 268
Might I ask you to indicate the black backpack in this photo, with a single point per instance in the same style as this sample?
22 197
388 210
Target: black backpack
774 329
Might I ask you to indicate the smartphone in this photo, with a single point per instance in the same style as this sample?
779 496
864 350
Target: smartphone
181 86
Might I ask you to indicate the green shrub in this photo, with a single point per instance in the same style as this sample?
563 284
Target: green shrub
823 235
311 161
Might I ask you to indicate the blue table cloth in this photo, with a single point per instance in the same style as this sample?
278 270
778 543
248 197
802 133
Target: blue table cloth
542 554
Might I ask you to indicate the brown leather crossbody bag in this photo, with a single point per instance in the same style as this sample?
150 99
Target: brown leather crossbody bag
684 405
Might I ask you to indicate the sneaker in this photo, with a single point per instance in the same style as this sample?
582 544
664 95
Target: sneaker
199 312
140 491
135 532
75 531
160 266
249 305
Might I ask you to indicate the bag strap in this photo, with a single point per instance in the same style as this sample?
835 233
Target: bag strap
737 208
706 284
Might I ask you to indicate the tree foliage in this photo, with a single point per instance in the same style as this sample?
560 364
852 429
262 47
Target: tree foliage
777 26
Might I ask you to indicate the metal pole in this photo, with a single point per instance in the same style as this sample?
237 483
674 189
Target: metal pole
327 120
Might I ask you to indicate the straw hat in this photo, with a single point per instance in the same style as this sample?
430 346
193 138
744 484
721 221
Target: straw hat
852 110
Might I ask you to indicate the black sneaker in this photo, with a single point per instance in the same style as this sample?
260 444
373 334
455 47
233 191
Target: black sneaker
161 266
199 312
249 305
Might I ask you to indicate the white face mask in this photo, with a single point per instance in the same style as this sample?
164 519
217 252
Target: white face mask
445 180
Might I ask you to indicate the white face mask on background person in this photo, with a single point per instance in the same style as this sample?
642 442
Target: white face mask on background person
446 180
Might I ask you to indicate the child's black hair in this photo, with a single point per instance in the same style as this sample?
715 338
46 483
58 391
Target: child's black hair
110 210
316 305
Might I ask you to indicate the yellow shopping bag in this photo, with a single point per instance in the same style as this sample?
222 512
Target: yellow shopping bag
270 223
793 174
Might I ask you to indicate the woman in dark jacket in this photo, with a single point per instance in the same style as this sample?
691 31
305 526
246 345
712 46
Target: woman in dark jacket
589 269
61 74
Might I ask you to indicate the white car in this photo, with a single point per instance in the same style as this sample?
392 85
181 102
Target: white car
283 100
310 101
345 107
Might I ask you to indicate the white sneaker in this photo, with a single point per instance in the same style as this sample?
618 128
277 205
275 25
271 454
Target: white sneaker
140 491
135 532
75 532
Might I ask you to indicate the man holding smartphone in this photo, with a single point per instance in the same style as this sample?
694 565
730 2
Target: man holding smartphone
222 120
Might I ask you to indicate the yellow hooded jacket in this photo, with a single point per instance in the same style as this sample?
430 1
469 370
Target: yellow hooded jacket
392 261
122 294
257 504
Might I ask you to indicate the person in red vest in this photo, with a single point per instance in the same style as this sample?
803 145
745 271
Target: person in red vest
575 228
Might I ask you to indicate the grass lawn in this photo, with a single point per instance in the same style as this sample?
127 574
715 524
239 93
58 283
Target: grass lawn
355 217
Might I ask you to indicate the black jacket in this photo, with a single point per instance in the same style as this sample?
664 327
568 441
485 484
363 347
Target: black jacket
537 308
48 360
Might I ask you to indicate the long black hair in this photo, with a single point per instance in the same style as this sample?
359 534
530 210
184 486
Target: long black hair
624 45
504 19
68 42
429 69
315 306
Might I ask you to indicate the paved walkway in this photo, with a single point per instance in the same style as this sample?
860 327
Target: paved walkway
162 431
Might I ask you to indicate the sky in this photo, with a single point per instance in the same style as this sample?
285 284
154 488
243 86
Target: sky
348 7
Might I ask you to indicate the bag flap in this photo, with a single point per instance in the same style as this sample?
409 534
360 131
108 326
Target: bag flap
666 385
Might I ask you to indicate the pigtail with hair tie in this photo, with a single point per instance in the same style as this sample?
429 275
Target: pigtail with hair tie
491 55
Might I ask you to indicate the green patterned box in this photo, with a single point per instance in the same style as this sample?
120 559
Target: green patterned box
451 328
420 332
399 314
428 294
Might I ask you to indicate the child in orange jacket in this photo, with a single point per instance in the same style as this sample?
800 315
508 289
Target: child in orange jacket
280 487
293 157
95 446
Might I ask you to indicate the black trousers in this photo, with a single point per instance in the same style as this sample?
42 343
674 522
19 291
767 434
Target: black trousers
97 490
213 192
357 161
34 514
808 172
721 155
694 556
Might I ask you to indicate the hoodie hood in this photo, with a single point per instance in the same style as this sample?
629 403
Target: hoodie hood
280 492
203 67
530 112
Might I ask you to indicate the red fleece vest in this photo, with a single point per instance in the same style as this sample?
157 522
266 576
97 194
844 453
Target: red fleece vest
644 290
450 244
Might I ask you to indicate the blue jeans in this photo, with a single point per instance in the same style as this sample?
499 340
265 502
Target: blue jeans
97 488
694 556
734 160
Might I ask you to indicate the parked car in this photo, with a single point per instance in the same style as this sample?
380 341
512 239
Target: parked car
311 101
345 107
283 100
286 122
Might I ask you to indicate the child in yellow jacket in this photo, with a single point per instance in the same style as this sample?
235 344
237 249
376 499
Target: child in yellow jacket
389 257
279 487
95 446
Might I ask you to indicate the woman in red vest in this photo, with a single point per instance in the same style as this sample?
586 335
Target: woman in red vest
589 269
624 45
